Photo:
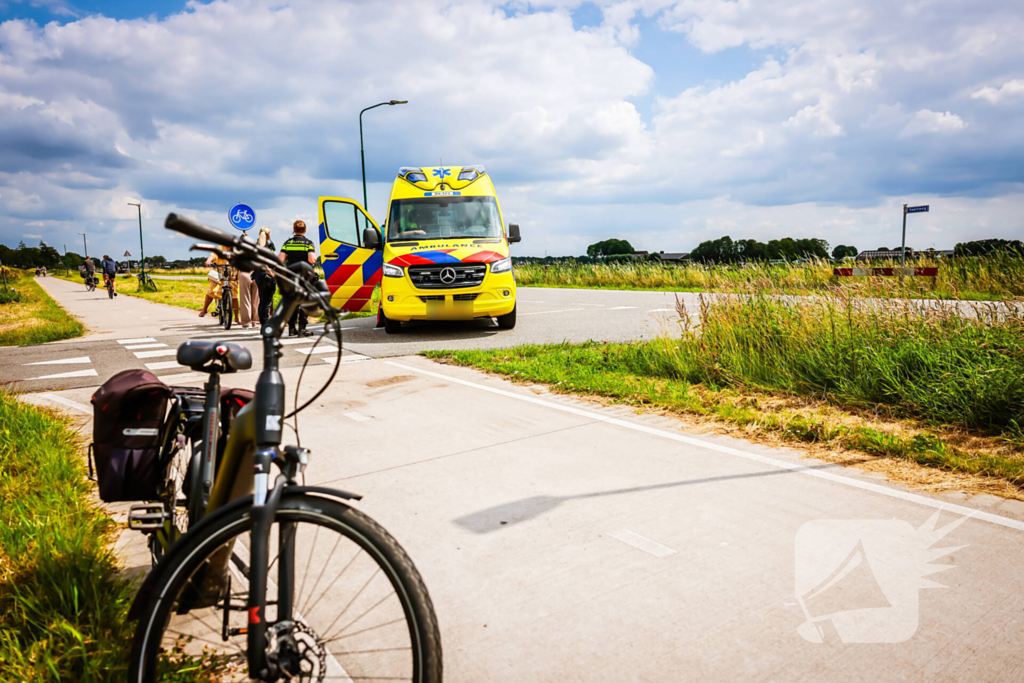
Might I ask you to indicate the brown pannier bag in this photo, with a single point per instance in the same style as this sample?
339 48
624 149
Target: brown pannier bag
130 411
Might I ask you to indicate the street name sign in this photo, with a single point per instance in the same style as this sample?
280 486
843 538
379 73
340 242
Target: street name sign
917 209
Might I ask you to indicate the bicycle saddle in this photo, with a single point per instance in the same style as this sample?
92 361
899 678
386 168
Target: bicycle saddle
213 356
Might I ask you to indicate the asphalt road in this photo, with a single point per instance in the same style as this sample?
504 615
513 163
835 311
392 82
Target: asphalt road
563 541
130 332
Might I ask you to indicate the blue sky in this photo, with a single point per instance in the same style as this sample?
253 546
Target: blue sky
664 122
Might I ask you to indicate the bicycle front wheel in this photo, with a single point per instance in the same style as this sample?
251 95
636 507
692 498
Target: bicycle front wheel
225 307
360 610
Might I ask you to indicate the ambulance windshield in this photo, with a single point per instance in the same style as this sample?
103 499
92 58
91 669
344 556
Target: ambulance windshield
431 218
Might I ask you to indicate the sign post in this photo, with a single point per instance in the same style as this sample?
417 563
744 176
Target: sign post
242 216
903 247
129 257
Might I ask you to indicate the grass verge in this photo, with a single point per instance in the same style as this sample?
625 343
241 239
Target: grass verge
36 318
976 279
938 386
189 293
62 605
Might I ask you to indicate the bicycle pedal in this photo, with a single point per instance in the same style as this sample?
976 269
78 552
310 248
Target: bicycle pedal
147 517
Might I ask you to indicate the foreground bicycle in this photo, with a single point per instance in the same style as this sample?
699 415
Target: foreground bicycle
289 582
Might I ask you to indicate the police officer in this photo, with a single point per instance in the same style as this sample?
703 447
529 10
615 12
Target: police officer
296 249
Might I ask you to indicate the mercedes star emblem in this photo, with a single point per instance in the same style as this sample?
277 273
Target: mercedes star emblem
447 275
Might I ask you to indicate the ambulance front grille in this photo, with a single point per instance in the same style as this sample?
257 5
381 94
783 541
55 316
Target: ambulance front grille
429 277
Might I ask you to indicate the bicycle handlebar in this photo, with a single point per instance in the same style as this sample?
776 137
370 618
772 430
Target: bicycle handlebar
187 226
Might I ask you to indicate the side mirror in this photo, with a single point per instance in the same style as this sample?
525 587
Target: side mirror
371 238
513 233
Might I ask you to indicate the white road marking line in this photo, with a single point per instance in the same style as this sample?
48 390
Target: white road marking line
299 340
61 375
564 310
156 354
348 359
781 464
163 365
145 346
662 310
75 405
63 361
356 416
140 340
620 308
323 348
642 543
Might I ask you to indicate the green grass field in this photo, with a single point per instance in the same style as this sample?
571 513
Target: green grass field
62 604
963 278
35 318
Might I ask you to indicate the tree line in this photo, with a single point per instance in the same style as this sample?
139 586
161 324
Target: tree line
44 255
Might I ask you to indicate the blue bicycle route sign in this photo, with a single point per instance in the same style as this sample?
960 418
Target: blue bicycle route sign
917 209
242 216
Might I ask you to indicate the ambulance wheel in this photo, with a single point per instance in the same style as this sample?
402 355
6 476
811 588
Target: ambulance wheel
391 326
507 321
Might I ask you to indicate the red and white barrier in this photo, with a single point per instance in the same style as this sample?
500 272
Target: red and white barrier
933 273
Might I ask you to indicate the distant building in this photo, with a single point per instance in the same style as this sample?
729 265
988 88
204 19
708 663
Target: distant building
894 254
638 256
670 257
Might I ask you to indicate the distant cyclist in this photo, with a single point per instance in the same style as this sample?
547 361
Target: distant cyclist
109 272
90 270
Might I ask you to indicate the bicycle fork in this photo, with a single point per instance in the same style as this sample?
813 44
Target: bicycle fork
270 395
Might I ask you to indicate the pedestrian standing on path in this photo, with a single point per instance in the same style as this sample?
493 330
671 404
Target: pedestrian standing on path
297 249
264 280
249 297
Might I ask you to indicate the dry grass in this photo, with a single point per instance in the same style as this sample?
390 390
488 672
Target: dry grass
964 278
36 318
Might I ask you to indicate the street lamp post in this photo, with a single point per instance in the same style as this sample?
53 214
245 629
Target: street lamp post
142 251
362 155
67 271
85 246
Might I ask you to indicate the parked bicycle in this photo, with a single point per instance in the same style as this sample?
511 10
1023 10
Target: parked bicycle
289 582
223 308
146 282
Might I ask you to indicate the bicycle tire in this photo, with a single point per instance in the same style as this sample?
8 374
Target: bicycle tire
175 573
177 486
110 289
226 312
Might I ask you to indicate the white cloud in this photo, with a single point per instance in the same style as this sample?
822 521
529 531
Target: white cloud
928 121
32 237
257 100
994 95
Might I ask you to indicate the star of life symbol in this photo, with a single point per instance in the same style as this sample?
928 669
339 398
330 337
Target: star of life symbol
441 172
859 578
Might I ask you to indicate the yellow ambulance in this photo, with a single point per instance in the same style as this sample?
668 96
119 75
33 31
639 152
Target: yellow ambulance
442 254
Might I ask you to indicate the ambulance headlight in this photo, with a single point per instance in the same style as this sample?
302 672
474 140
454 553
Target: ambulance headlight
502 266
393 271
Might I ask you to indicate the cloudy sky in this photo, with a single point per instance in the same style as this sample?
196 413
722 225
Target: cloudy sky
666 123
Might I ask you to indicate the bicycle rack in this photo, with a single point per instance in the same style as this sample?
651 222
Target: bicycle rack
147 517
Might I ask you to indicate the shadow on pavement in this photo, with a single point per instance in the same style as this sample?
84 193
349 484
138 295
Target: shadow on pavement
508 514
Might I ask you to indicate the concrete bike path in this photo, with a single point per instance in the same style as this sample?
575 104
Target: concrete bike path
563 541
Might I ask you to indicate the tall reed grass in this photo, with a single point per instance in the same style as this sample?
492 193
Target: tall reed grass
956 363
973 278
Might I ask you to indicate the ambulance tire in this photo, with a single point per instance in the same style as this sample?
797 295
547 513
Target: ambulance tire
507 321
391 326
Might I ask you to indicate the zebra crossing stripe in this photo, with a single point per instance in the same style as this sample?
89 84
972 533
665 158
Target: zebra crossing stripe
156 354
145 346
62 375
63 361
163 365
139 340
